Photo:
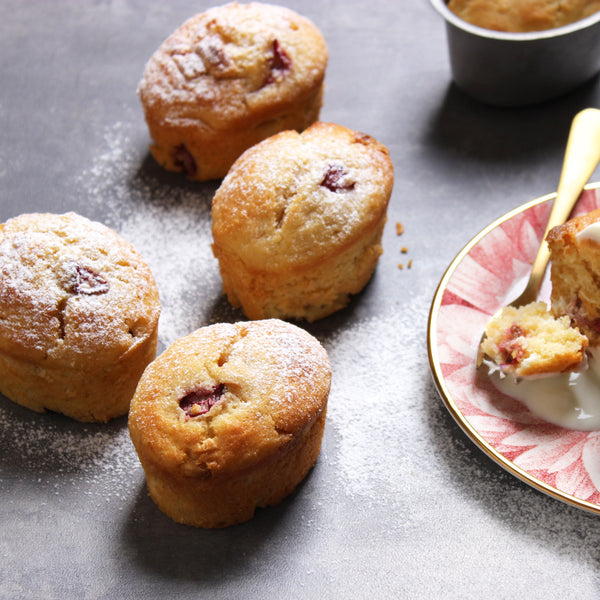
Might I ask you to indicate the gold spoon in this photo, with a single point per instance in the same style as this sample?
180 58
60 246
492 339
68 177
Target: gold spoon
581 158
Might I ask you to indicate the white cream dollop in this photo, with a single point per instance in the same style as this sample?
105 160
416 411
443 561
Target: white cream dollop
591 232
570 400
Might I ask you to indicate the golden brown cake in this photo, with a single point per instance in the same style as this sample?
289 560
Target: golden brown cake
520 16
230 418
575 257
227 79
297 222
79 313
528 341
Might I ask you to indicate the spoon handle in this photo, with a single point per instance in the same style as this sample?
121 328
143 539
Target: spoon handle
581 158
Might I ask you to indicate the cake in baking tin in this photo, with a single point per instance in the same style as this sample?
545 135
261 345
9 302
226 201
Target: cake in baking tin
519 16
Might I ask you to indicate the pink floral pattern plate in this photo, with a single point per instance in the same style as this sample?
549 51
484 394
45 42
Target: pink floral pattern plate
489 272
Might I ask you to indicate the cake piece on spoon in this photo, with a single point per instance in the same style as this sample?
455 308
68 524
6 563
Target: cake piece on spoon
529 341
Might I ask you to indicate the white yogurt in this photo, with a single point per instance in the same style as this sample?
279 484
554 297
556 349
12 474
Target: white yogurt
568 400
591 232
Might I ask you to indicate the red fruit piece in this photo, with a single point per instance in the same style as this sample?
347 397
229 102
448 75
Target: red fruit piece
212 51
511 349
200 401
336 180
279 64
184 160
87 282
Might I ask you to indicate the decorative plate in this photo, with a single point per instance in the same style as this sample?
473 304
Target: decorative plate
490 271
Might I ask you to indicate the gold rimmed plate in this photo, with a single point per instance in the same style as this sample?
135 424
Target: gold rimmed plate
490 270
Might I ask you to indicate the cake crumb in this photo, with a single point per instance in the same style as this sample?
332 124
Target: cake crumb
404 249
399 228
410 263
400 266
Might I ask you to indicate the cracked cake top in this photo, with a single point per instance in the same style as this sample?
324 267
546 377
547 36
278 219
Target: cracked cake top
71 289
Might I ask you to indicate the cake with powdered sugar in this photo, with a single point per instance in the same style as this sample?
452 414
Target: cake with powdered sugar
230 418
79 312
227 79
297 222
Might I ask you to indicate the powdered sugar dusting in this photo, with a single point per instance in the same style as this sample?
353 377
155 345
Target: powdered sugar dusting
300 216
98 459
169 224
297 352
217 57
81 282
291 358
372 401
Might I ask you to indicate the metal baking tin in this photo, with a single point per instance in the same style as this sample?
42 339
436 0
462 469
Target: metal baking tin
518 69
